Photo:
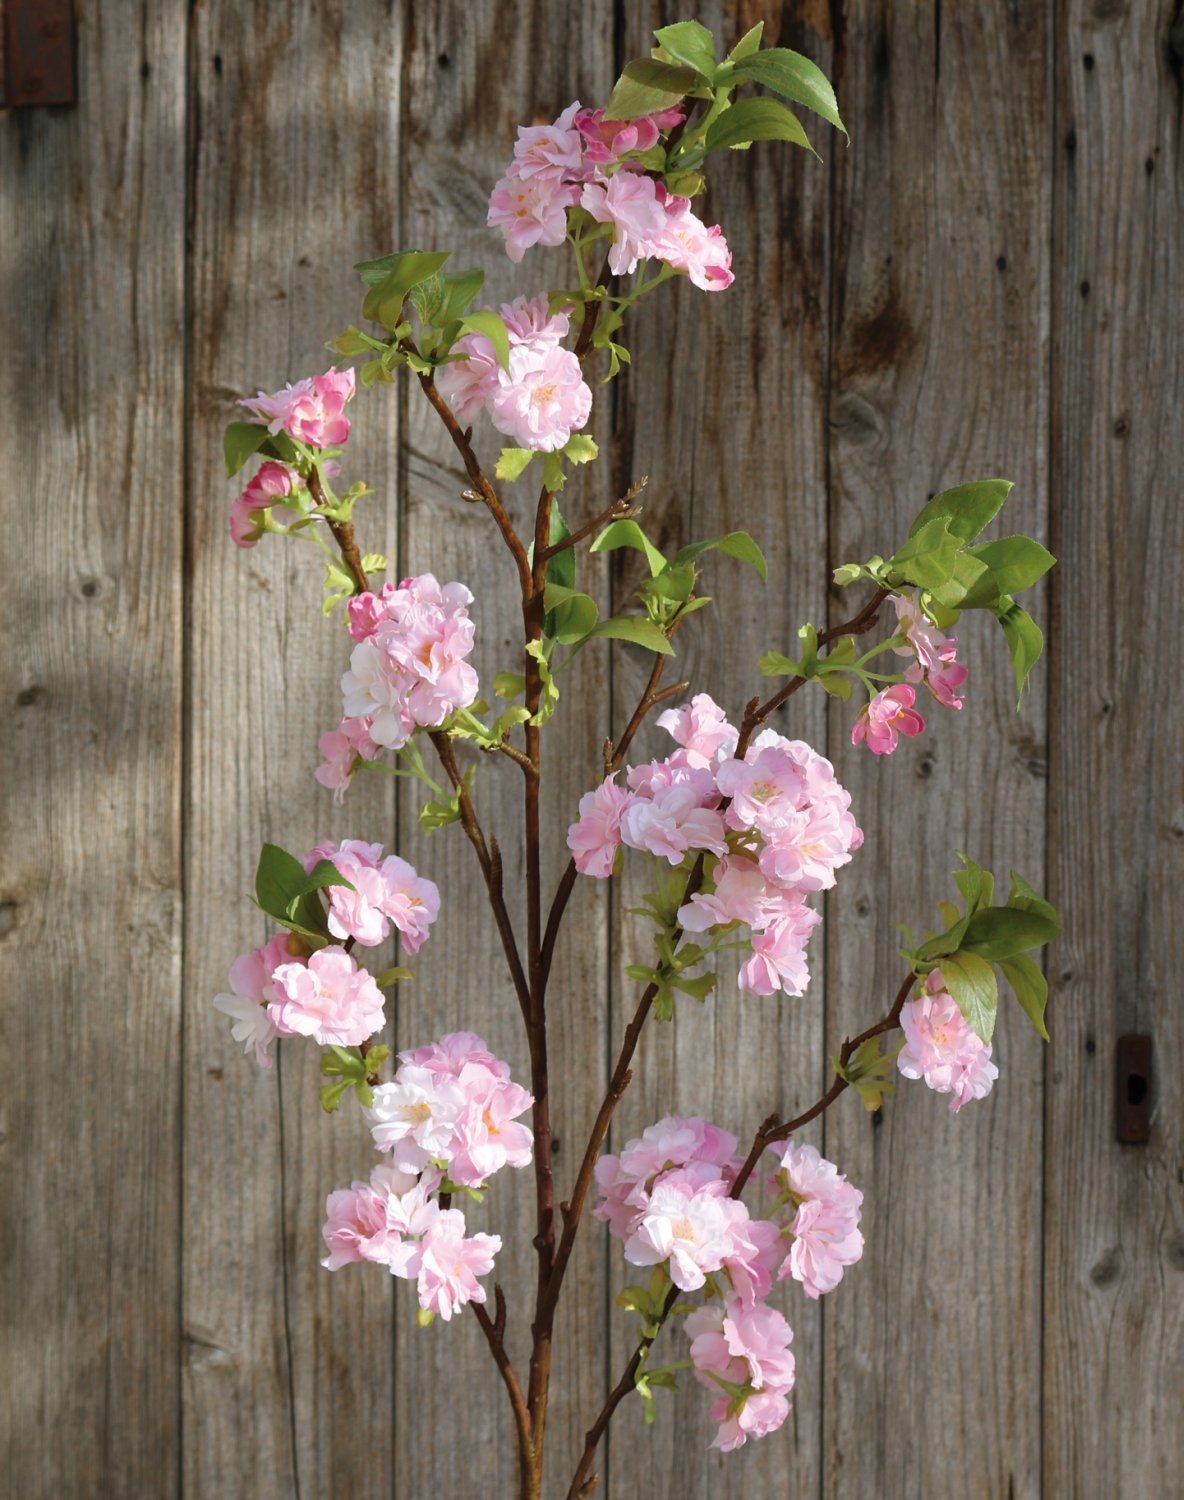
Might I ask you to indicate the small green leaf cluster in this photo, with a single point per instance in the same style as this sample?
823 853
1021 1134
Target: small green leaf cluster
981 937
348 1069
869 1071
292 898
954 572
830 671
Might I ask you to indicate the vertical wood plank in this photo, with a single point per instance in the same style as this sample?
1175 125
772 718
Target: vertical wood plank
1114 1215
939 329
471 81
288 1369
93 210
725 407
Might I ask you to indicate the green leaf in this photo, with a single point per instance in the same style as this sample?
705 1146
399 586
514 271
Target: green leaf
1025 641
1016 562
647 86
509 685
343 1062
332 1095
429 298
748 44
1030 987
554 478
847 574
737 544
756 120
1003 931
1024 898
795 77
928 557
580 448
698 988
512 463
354 341
971 983
976 885
967 507
690 43
629 534
573 614
395 975
970 586
634 628
279 877
461 287
324 873
836 684
240 442
550 696
489 323
561 569
384 301
869 1072
773 664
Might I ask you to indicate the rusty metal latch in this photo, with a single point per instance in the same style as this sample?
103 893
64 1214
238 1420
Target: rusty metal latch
38 53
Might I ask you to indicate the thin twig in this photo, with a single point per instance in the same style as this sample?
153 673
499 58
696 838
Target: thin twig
343 534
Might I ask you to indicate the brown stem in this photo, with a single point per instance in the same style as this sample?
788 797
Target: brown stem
592 314
619 510
343 534
493 1329
772 1130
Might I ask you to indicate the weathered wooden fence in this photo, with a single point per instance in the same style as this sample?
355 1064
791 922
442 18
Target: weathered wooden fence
989 280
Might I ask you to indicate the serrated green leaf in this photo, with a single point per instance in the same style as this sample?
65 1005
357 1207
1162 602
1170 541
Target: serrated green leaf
737 544
429 298
796 78
970 586
698 988
970 981
489 323
967 508
354 341
439 813
1016 562
550 693
689 43
976 885
1025 898
836 684
554 477
773 664
571 615
647 86
391 976
1025 641
847 574
756 120
1030 988
1003 931
636 629
512 463
629 534
580 448
748 44
384 301
928 557
332 1095
240 442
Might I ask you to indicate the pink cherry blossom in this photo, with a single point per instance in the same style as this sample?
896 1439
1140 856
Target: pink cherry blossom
454 1053
262 497
679 769
945 679
688 1224
745 1346
764 788
530 210
415 1115
449 1264
488 1137
671 823
251 985
943 1048
606 141
529 320
759 1414
935 653
386 891
825 1229
470 377
596 835
312 410
889 715
629 202
778 959
330 999
359 1222
342 749
686 244
741 894
411 668
701 727
550 151
542 399
700 1150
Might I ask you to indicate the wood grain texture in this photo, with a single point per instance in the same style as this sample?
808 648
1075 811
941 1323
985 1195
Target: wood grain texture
938 374
724 406
93 211
287 1370
471 81
1114 1215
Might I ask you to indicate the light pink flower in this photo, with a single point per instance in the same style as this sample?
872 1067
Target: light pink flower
764 788
825 1229
945 679
596 835
455 1053
672 823
935 653
469 378
689 1224
746 1346
312 410
686 244
542 399
699 1150
629 202
415 1115
741 894
701 727
251 985
761 1413
410 667
529 320
360 1224
386 890
943 1048
264 494
449 1264
342 749
778 959
606 141
530 210
550 151
330 999
488 1137
889 715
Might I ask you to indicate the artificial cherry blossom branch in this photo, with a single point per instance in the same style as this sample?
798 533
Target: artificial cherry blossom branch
343 532
494 1331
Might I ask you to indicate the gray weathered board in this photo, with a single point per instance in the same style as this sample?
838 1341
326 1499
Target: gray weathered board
990 279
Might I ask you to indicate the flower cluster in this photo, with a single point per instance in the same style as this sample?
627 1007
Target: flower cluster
312 410
943 1048
583 159
386 892
669 1198
453 1104
891 713
409 669
776 820
450 1108
541 398
263 499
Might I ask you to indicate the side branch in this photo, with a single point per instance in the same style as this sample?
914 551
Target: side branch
493 1329
343 534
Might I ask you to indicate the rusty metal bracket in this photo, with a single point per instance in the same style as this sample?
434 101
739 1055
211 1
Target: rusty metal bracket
38 53
1132 1090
